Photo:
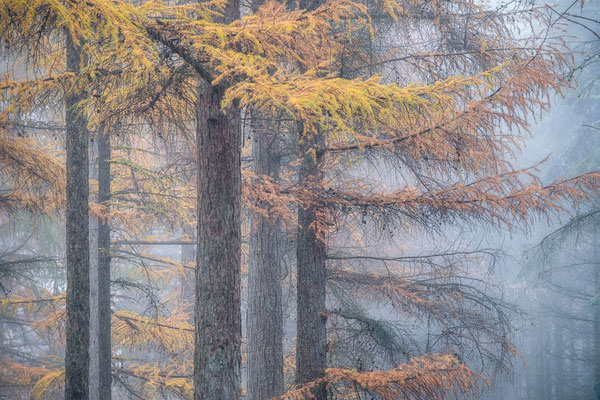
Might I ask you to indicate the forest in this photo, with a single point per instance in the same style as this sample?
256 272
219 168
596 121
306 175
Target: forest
300 199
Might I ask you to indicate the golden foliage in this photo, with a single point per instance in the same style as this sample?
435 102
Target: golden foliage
174 377
509 200
35 180
288 63
173 334
40 380
430 377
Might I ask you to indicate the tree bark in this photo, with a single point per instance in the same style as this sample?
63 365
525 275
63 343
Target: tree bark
311 343
77 236
217 356
104 314
264 320
311 321
94 379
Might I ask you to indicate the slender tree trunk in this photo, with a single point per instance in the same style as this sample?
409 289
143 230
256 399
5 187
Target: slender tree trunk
311 343
311 322
217 356
104 314
265 316
94 379
77 236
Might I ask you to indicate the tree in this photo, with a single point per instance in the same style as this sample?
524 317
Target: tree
30 28
77 223
362 104
563 265
104 312
265 315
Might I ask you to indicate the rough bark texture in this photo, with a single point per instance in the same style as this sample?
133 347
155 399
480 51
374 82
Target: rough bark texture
93 240
217 357
311 342
264 322
104 335
311 322
77 236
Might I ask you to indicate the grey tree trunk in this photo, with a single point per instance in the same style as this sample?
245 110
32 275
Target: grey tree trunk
93 241
311 321
104 313
311 342
217 355
264 322
77 236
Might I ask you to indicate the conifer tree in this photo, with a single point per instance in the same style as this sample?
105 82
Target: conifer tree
77 223
104 262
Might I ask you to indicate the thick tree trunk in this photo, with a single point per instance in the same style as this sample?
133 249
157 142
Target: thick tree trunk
217 358
104 314
77 236
311 343
264 320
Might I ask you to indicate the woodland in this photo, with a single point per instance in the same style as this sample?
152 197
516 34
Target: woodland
311 199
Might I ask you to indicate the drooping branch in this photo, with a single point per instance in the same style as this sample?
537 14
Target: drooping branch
430 377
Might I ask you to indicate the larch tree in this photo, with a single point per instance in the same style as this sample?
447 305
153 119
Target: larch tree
77 223
104 262
428 121
311 319
218 320
264 321
35 31
420 159
484 114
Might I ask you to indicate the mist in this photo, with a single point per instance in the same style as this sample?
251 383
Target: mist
379 199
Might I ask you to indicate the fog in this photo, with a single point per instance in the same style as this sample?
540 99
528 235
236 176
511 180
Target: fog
432 233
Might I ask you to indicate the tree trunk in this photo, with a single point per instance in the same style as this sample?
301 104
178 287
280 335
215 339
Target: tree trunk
217 357
311 343
104 314
264 320
93 242
77 236
311 322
